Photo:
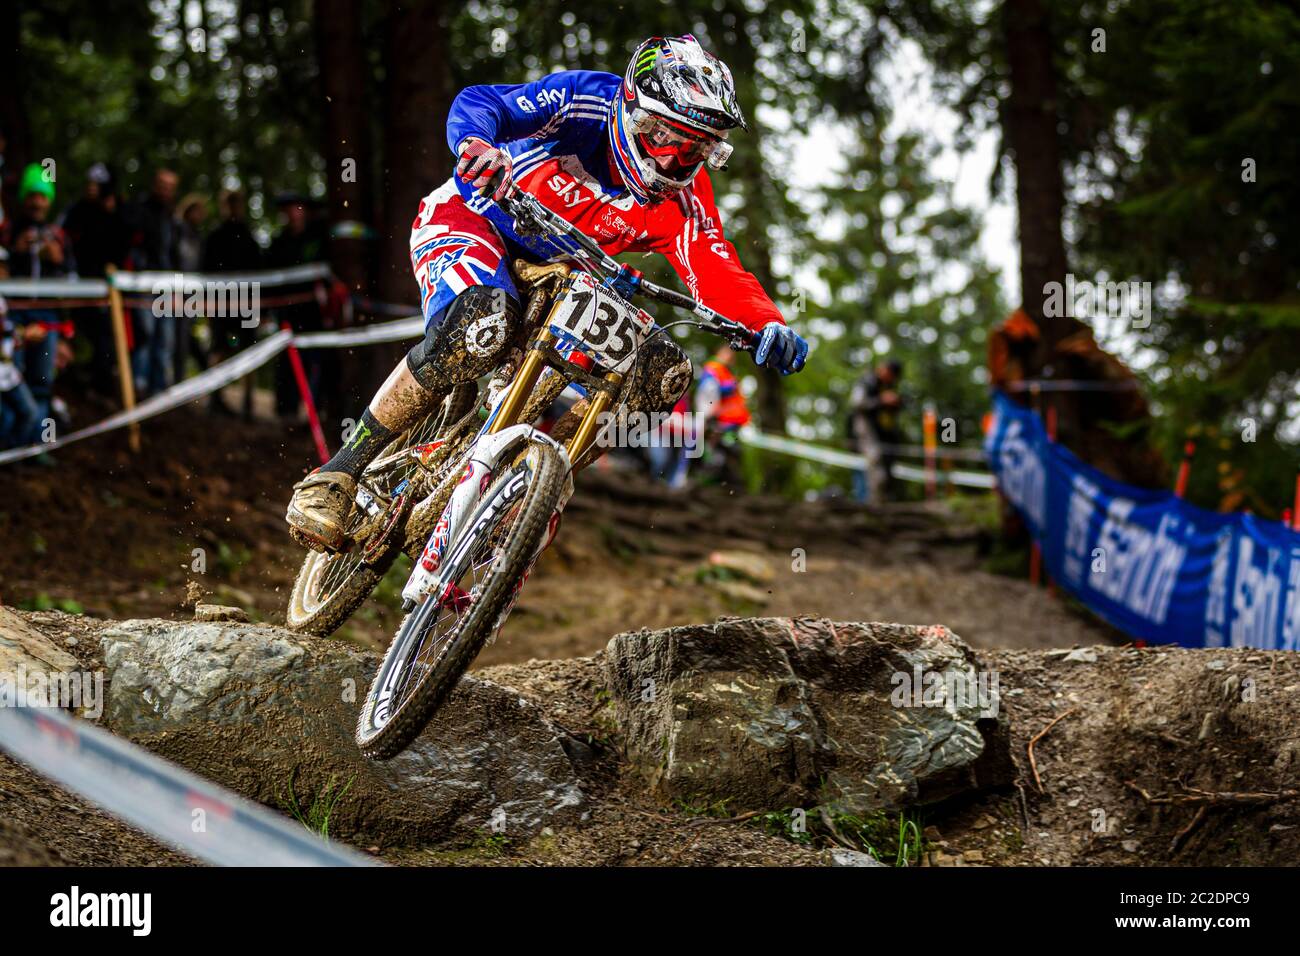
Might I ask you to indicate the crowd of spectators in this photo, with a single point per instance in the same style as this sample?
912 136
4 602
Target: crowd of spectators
101 230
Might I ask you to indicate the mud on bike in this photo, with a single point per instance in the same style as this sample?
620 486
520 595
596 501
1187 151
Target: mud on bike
474 492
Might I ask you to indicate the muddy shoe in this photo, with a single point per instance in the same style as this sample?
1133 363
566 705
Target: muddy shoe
319 506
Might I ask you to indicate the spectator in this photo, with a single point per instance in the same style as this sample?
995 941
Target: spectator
20 421
154 248
38 249
232 248
722 409
192 212
298 243
667 452
4 144
874 429
100 238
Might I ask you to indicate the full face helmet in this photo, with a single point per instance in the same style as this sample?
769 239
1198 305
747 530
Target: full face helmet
672 116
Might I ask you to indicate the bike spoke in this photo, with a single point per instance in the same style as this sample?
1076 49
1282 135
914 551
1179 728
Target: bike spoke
436 636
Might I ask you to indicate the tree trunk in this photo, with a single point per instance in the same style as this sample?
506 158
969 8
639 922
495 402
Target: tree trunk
418 95
349 165
346 146
15 124
1031 121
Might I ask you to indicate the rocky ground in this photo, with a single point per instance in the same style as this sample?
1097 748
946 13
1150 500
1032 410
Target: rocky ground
767 741
770 740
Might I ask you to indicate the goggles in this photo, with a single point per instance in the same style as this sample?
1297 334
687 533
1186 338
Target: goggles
662 137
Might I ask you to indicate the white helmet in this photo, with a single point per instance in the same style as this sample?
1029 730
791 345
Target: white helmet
677 104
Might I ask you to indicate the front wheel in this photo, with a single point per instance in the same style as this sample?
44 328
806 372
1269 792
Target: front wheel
440 638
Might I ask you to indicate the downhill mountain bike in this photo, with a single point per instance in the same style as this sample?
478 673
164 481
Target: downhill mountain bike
475 492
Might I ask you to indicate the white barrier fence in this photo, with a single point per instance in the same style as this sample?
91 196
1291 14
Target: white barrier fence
843 459
250 359
223 374
154 283
175 806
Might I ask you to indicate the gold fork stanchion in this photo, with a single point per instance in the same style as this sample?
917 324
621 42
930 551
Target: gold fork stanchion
118 316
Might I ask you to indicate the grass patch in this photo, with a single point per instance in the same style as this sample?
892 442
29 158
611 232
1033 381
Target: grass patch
44 602
316 815
893 839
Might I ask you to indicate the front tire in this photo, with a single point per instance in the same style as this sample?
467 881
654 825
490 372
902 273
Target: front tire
440 639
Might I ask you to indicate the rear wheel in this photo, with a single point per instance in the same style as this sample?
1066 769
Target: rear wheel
331 586
440 639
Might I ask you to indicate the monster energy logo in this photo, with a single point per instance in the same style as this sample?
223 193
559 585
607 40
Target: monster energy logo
647 61
362 433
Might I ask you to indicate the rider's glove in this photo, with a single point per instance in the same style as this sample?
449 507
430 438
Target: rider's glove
781 347
485 167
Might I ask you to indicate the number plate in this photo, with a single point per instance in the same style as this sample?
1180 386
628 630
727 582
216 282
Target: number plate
600 322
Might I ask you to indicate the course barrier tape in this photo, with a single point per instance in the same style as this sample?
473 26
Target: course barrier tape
843 459
362 335
175 806
155 283
1071 385
24 288
1151 564
225 373
964 479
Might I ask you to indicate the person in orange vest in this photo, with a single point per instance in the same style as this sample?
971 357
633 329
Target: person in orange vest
1011 352
721 408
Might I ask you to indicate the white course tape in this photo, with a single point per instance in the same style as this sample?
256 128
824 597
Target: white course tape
967 479
799 449
161 798
223 374
844 459
219 376
54 288
362 335
157 282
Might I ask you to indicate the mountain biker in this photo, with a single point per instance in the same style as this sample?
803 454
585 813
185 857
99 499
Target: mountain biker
622 158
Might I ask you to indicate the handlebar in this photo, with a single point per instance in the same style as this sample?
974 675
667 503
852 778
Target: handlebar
525 207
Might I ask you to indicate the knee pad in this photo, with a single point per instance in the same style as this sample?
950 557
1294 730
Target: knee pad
473 339
661 376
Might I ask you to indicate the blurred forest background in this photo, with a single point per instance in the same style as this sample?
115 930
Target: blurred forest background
1153 140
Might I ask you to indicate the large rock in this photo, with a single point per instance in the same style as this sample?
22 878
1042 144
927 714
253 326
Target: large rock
772 713
263 710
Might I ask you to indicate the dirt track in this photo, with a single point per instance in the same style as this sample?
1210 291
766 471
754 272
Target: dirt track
115 536
629 555
1153 756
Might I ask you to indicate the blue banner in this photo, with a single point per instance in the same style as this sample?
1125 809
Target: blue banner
1152 565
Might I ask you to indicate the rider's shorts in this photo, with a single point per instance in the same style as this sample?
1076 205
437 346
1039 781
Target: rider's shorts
453 249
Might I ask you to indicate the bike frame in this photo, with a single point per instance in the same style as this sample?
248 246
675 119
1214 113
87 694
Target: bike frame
501 436
497 442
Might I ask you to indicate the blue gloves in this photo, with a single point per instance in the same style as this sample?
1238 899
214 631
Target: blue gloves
781 348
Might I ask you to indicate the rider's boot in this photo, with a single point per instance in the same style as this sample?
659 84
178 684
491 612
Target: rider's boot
322 500
471 340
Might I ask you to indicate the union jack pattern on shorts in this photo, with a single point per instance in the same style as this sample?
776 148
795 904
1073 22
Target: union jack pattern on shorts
453 249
